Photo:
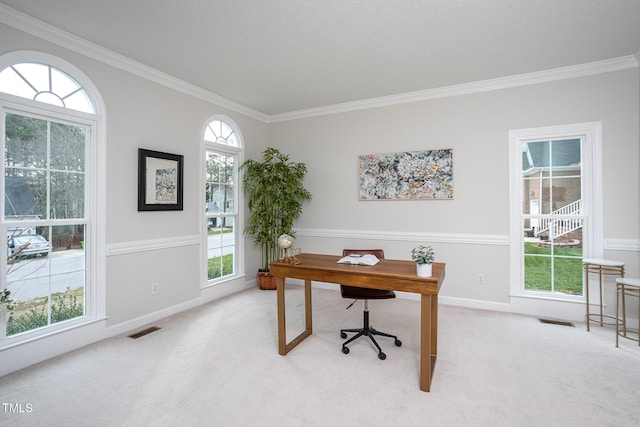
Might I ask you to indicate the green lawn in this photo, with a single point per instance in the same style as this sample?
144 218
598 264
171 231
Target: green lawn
567 269
219 266
32 313
214 231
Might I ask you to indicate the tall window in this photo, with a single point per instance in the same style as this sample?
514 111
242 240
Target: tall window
552 169
222 151
552 215
48 129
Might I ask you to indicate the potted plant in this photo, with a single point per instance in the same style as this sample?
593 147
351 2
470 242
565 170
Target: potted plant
5 299
423 256
275 196
6 304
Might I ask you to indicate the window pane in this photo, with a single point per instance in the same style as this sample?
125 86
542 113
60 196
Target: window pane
62 84
220 132
546 196
46 277
537 268
27 244
25 141
25 195
45 84
565 154
220 171
566 191
13 84
68 303
28 281
67 147
79 101
36 74
220 247
568 275
67 195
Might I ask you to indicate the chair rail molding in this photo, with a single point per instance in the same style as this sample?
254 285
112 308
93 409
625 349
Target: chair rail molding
475 239
152 245
622 245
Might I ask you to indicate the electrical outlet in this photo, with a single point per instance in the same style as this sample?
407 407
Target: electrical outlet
480 278
155 288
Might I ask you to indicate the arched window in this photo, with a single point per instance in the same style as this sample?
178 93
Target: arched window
221 133
223 148
49 144
44 83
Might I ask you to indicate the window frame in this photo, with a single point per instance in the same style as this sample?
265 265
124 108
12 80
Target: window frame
95 159
238 153
591 135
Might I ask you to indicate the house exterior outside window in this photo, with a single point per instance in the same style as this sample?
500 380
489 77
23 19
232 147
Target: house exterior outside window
556 209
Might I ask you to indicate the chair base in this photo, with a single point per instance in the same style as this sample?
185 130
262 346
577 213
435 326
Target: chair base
369 332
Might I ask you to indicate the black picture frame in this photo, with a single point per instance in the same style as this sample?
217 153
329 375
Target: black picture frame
160 181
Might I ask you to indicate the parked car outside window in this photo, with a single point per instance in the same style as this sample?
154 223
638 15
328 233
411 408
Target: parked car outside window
32 245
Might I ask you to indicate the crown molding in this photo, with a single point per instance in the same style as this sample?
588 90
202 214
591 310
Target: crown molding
49 33
556 74
37 28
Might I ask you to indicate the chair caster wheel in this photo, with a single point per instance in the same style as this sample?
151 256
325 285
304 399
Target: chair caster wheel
345 350
343 335
398 343
382 356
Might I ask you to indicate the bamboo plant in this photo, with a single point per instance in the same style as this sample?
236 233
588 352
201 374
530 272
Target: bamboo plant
275 197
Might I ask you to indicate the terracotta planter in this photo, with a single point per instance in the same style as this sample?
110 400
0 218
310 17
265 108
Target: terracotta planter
266 281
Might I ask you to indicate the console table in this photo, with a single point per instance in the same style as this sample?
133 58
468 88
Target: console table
396 275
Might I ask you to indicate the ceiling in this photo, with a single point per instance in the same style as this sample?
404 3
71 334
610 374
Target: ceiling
282 56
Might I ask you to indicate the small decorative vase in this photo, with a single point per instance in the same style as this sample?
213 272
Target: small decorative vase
424 270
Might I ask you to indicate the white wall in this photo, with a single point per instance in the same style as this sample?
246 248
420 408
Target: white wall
469 233
141 248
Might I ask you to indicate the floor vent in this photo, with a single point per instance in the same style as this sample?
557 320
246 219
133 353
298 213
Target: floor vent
557 322
144 332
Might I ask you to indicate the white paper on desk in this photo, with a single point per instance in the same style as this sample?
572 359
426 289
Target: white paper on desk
366 259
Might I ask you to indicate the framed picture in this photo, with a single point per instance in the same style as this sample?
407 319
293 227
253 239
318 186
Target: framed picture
159 181
416 175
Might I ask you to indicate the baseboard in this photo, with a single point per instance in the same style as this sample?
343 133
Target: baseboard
40 349
147 319
568 311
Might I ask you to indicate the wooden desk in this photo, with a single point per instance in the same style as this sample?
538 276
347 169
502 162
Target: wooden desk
388 274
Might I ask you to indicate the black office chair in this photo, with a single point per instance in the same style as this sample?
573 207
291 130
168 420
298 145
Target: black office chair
355 293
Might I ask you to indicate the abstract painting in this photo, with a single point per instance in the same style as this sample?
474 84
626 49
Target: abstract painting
159 181
415 175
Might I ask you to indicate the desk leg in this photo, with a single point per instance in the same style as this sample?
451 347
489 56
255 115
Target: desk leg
586 288
307 306
428 339
283 346
282 322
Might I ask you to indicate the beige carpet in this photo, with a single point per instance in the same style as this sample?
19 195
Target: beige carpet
218 365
